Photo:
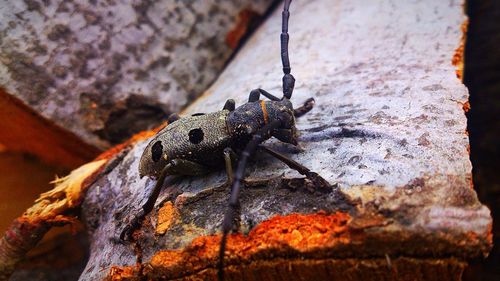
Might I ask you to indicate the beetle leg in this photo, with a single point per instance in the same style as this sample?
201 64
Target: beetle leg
174 167
255 95
187 168
317 180
308 105
229 157
227 224
229 105
127 232
286 135
173 117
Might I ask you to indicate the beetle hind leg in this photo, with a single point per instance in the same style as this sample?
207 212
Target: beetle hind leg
318 181
173 117
174 167
187 168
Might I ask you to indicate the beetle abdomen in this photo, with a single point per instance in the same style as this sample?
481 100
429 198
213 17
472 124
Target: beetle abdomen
200 139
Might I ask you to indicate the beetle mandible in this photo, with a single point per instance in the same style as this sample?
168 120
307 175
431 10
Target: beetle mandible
199 143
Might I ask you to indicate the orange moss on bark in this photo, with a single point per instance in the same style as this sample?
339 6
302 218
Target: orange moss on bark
244 22
458 56
167 215
299 247
295 232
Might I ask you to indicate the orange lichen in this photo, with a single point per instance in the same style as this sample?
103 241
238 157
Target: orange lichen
299 237
243 22
166 217
466 106
291 233
122 273
134 139
458 56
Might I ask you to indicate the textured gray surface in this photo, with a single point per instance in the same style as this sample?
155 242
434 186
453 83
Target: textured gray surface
388 103
388 126
82 63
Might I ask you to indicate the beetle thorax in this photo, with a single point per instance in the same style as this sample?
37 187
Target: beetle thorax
247 119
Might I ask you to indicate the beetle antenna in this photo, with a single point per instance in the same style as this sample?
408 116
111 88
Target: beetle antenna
263 134
288 80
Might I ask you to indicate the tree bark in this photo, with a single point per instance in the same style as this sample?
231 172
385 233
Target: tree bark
388 127
104 70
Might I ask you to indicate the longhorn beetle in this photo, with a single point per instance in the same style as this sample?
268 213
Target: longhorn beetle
199 143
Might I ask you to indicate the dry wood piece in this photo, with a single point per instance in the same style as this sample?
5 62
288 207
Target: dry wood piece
57 207
388 127
104 70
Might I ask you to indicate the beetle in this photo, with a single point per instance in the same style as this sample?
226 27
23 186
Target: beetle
199 143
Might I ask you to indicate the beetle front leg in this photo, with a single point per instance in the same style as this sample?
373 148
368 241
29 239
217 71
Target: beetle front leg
136 222
308 105
174 167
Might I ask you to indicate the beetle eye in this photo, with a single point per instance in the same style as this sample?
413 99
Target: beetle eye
156 151
196 135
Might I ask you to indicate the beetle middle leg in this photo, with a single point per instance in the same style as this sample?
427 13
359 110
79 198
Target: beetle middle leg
255 95
229 157
229 105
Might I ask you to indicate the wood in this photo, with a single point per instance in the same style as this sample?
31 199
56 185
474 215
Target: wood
388 127
24 130
104 70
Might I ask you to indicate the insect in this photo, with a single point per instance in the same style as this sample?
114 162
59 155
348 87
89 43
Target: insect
197 144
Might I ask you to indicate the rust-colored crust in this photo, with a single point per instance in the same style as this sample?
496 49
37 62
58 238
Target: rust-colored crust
331 240
25 130
244 22
458 56
466 106
167 215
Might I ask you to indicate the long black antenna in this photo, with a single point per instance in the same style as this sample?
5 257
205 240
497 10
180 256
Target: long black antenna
261 135
288 80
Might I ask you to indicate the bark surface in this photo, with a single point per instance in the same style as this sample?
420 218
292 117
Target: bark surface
388 127
104 70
